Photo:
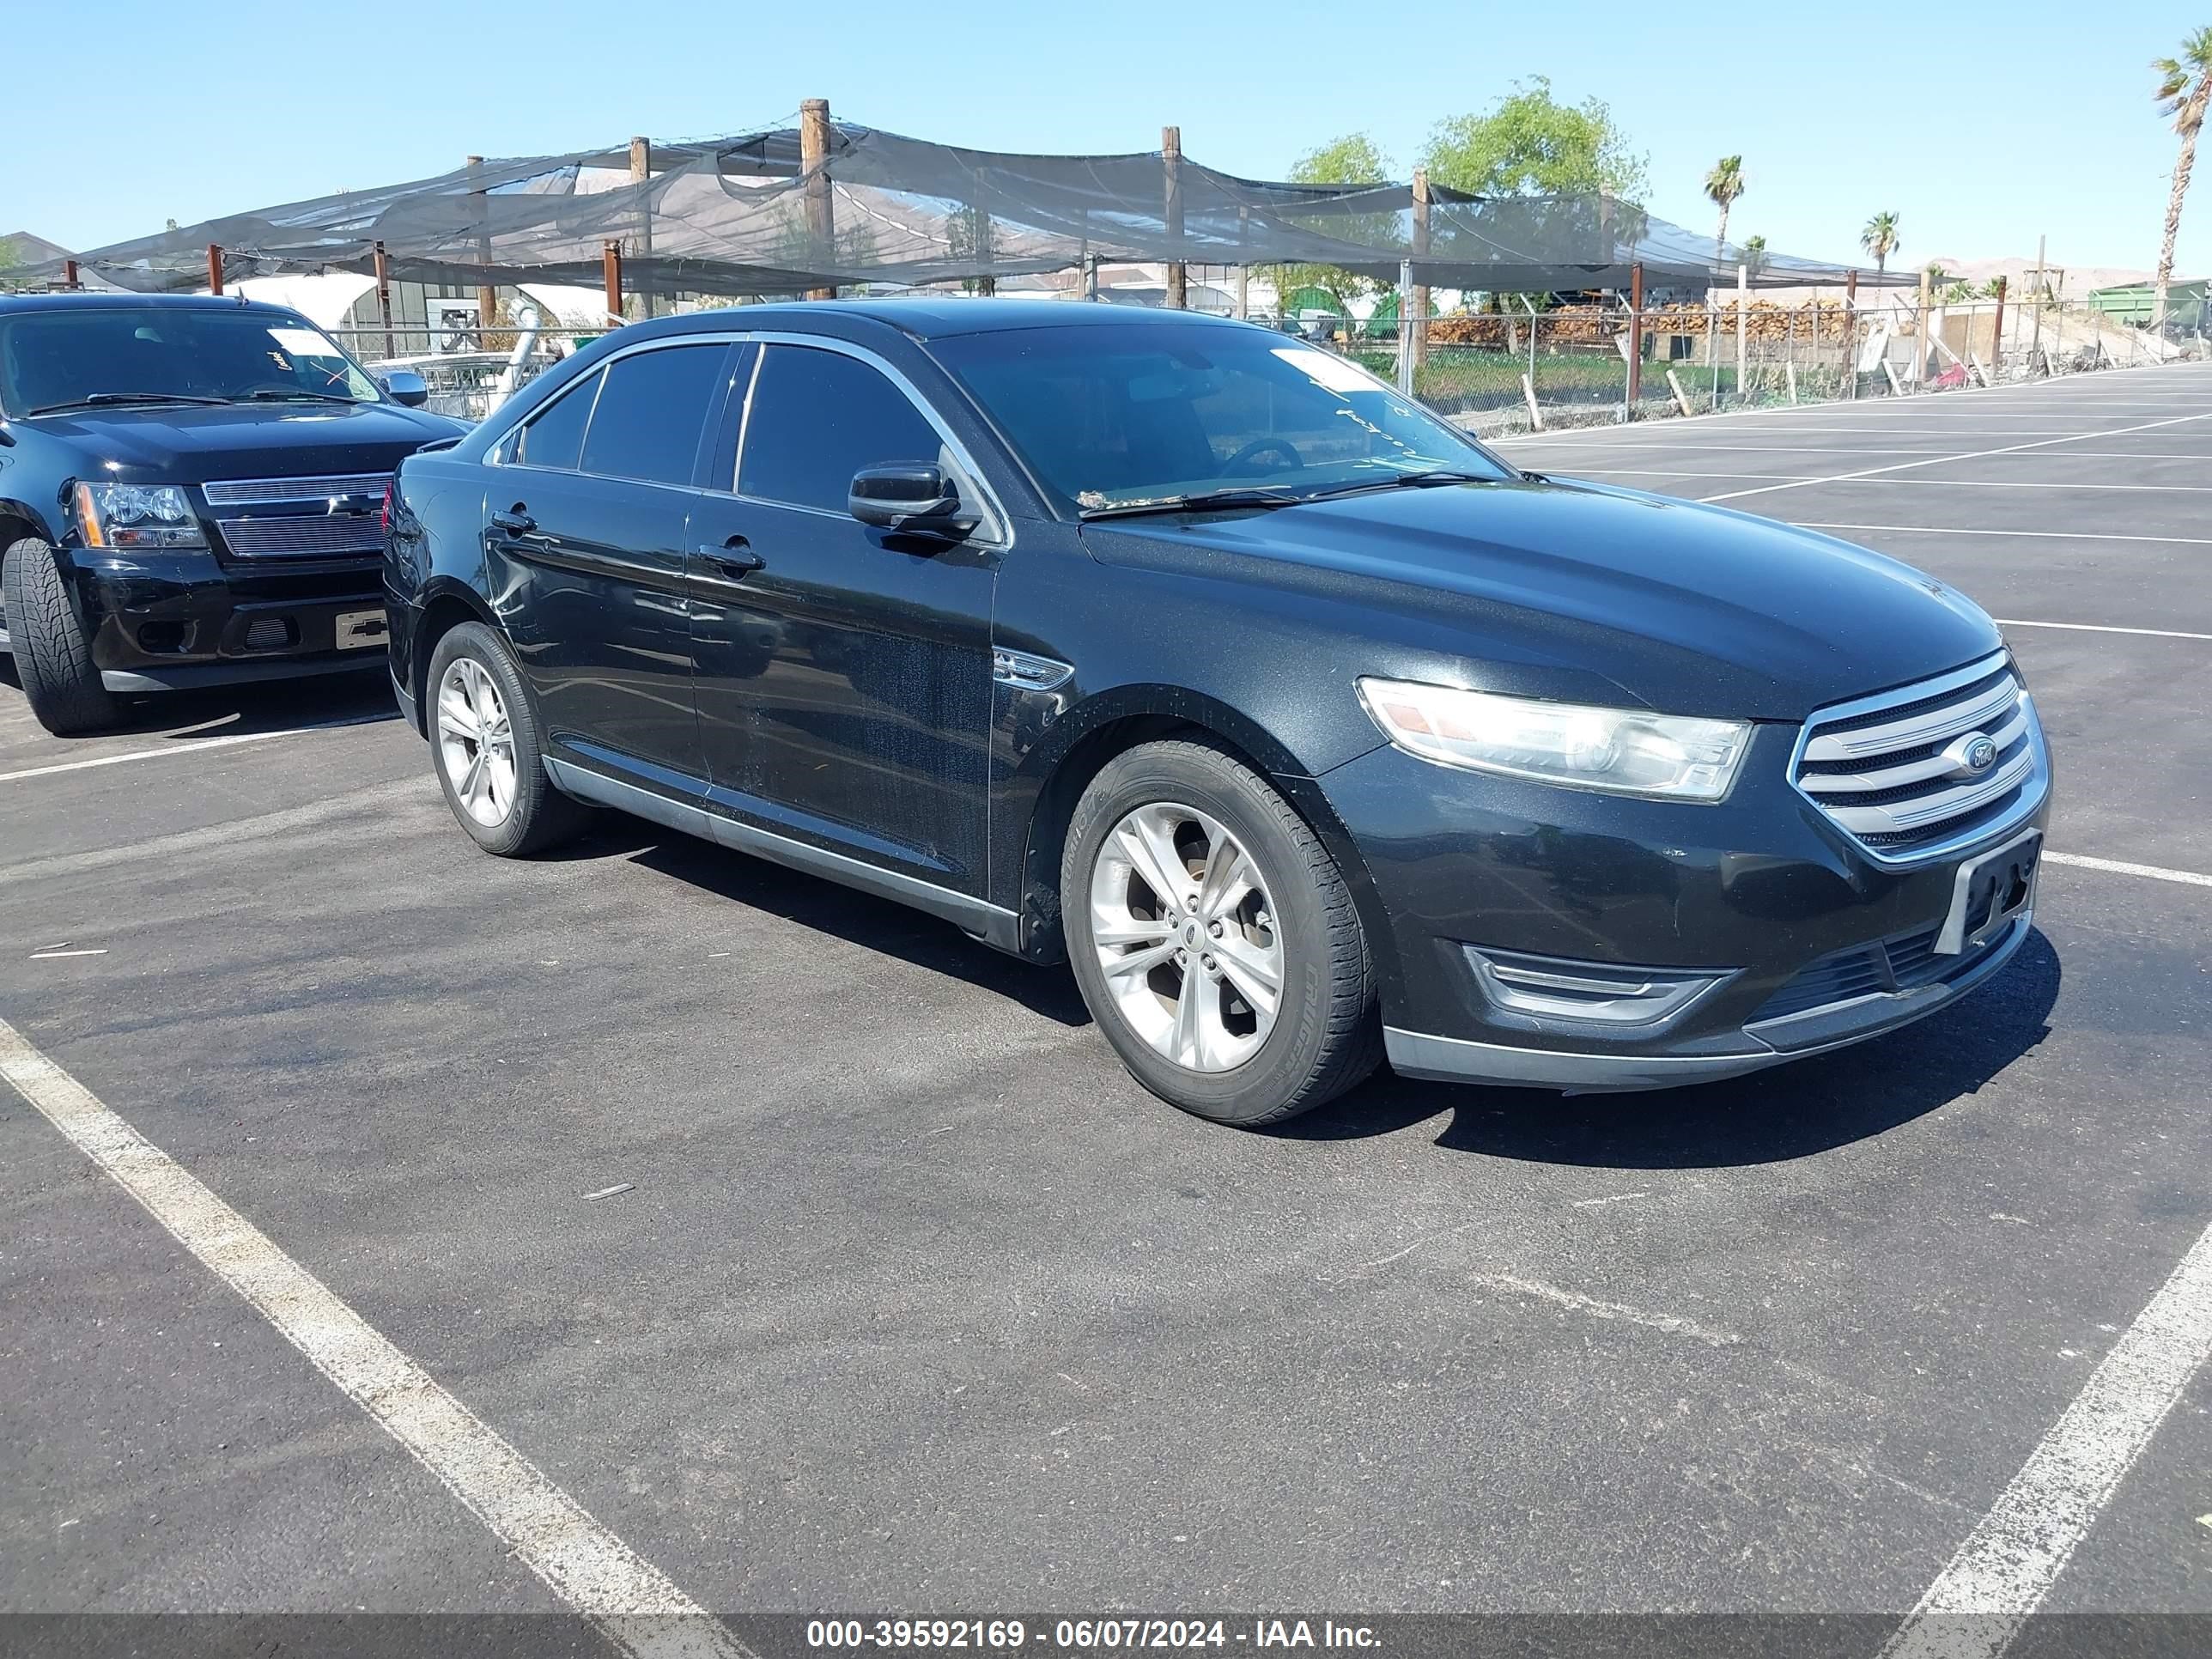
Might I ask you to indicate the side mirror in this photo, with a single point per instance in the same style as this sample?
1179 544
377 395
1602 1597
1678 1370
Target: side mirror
405 386
911 499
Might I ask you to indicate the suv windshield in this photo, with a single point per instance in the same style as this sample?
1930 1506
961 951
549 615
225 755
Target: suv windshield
66 358
1108 417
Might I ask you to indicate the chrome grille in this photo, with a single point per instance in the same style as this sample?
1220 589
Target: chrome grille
257 492
303 538
1893 771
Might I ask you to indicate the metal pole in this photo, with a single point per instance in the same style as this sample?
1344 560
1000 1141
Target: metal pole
1713 344
1178 296
1635 337
1742 326
214 269
2035 299
384 298
821 205
1405 328
1921 335
641 172
1852 333
611 274
1996 334
1243 271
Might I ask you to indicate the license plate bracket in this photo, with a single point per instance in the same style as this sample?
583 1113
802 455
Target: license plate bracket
1989 892
357 630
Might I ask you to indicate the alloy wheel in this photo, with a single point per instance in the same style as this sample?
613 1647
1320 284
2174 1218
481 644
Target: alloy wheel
1186 936
476 741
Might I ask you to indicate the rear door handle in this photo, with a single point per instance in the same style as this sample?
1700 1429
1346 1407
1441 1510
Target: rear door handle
517 522
734 558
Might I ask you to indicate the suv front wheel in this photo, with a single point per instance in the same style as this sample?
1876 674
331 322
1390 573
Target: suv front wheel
1214 938
53 657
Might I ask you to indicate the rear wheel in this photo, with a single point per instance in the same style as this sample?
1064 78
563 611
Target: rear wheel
1214 938
484 743
53 653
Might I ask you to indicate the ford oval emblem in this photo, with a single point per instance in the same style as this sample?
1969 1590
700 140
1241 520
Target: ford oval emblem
1981 755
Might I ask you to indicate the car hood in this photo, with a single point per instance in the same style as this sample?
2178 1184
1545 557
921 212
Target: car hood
189 444
1695 609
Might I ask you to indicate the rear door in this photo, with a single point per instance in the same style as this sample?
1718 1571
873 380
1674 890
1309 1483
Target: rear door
844 687
589 519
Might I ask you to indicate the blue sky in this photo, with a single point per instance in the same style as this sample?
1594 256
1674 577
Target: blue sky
1981 126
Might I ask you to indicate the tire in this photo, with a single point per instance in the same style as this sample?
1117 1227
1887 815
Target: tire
501 794
1226 1058
53 653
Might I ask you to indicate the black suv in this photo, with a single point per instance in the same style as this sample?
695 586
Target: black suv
1308 729
192 492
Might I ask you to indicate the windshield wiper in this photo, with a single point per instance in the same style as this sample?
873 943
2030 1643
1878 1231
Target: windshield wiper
301 397
99 399
1433 475
1204 501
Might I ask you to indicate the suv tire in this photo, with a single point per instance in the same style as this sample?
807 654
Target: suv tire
54 655
1261 898
484 744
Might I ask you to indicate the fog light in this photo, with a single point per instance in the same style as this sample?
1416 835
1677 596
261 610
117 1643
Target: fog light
1587 993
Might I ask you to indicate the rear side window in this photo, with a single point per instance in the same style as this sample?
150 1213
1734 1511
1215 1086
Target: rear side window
818 417
555 438
652 413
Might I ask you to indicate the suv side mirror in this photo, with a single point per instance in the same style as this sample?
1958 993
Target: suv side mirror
405 386
911 499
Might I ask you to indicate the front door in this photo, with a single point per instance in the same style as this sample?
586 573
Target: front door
590 522
844 689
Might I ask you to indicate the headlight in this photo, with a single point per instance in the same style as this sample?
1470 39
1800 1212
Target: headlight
1623 751
127 515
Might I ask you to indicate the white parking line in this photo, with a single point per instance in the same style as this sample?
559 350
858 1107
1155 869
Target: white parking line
190 746
2115 867
1953 529
630 1600
2008 1565
1971 455
2102 628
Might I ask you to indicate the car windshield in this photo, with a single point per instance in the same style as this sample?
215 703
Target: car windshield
1110 416
70 356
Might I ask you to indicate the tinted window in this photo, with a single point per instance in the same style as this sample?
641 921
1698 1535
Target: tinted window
555 438
817 418
58 358
650 416
1106 412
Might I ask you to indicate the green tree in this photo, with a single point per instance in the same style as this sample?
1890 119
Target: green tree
1723 184
1880 239
1528 143
1755 253
1352 159
2185 88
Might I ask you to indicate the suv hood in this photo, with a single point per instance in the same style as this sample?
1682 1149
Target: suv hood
1694 610
190 444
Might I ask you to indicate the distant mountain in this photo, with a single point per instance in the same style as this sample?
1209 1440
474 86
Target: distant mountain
2070 282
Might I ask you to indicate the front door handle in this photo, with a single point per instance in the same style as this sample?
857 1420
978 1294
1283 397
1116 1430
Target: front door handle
734 558
515 521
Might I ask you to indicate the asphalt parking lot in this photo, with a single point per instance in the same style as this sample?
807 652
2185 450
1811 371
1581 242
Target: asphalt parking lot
914 1301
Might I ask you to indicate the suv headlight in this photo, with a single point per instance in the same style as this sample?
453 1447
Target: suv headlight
126 515
1626 751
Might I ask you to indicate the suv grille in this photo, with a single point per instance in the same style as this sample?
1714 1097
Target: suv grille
1895 771
328 516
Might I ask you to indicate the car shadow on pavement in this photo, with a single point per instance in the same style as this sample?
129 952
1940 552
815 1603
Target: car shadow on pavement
244 710
1791 1110
862 919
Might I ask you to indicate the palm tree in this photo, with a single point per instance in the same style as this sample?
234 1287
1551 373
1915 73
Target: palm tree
1723 185
2185 86
1755 253
1880 239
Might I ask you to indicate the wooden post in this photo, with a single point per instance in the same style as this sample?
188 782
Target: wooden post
821 204
69 273
384 300
1681 398
641 171
487 292
1418 323
2035 299
1921 335
1171 164
1528 396
214 269
1635 337
1996 335
611 274
1852 333
1742 326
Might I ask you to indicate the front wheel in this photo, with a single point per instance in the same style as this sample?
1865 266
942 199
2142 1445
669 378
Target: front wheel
484 743
53 654
1214 938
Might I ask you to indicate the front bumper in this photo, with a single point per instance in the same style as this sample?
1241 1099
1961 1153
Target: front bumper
1796 930
170 621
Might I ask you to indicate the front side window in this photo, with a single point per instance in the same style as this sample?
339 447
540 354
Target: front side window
556 437
1106 415
816 419
81 357
652 412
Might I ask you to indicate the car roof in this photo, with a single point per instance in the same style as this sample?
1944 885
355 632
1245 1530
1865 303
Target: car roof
936 318
12 304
